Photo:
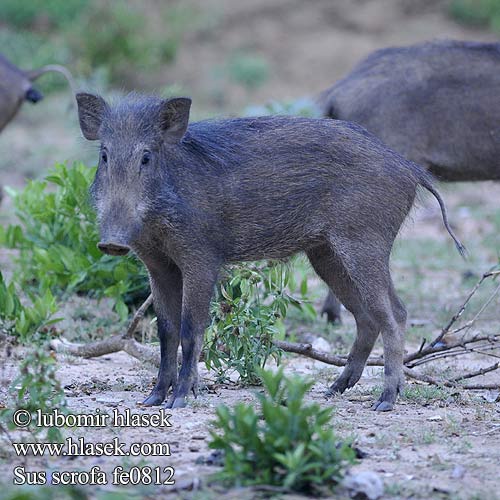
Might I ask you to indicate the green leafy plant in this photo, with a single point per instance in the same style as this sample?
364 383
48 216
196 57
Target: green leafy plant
23 320
477 12
40 13
249 70
37 388
247 314
284 442
57 237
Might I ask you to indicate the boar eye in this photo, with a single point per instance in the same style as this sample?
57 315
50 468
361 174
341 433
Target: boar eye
146 158
104 157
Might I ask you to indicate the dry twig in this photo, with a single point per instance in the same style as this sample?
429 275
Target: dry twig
436 349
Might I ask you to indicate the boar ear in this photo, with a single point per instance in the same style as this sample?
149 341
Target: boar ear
91 110
174 116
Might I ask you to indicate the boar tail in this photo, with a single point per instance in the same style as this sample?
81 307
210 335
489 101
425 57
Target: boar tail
36 73
425 181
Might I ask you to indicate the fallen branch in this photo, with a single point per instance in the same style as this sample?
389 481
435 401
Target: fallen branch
437 349
115 343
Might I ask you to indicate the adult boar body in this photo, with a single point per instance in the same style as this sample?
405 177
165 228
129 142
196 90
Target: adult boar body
436 103
189 200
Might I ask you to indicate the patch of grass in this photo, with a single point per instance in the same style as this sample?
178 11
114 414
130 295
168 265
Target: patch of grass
424 394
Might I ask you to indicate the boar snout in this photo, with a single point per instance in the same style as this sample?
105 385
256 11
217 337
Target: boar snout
112 248
33 95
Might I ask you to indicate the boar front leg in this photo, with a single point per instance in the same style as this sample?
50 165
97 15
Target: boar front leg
196 295
166 287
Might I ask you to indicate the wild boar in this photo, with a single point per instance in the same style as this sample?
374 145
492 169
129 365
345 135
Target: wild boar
189 199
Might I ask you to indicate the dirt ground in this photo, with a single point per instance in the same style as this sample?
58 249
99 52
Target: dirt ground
437 443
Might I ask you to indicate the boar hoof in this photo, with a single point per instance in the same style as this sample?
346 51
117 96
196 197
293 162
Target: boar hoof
336 388
347 380
173 402
382 406
154 399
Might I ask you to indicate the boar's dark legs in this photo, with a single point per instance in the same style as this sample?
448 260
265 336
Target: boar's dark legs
331 308
331 270
198 286
366 289
166 287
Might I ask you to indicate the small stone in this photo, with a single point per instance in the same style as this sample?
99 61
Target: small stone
366 485
320 344
435 418
458 472
108 401
492 396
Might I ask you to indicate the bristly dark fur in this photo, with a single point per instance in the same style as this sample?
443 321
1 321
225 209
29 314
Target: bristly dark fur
245 189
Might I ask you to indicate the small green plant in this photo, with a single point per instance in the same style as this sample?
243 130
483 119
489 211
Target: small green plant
23 320
284 442
247 314
477 12
249 70
423 394
40 14
57 238
37 388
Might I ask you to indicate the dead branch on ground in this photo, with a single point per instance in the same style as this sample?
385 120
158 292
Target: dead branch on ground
446 344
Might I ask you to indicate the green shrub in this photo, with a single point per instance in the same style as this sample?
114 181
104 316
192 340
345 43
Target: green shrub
22 320
249 70
117 37
37 388
250 306
40 13
477 12
284 442
57 238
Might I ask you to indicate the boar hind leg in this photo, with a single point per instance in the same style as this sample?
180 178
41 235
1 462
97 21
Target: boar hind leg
166 287
390 314
197 292
332 271
361 280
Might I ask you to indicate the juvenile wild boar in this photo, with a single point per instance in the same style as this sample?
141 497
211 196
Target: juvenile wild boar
436 103
188 200
16 86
